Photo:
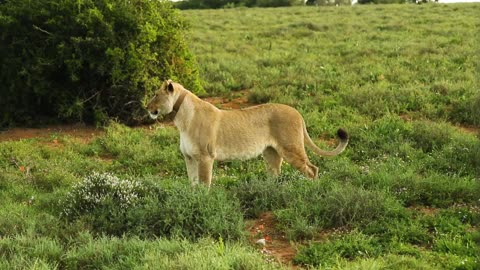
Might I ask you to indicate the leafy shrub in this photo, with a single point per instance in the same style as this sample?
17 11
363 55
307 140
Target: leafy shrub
263 193
101 190
88 60
114 206
176 209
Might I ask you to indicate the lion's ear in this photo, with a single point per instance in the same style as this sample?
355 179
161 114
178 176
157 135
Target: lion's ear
170 86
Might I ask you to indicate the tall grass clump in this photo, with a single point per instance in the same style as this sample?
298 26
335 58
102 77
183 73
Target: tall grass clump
261 193
350 246
313 206
25 252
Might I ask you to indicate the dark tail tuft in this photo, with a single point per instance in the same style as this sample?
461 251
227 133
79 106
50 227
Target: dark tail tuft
342 134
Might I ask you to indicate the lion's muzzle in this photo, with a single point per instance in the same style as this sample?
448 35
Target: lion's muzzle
153 115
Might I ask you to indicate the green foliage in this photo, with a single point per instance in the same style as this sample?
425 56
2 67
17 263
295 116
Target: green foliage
392 66
437 190
178 209
313 206
135 153
101 191
350 246
261 193
113 206
23 252
88 252
88 60
404 195
394 232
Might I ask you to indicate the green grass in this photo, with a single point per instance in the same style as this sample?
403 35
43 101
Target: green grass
402 79
402 59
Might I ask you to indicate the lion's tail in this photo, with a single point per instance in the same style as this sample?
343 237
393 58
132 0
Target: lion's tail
341 134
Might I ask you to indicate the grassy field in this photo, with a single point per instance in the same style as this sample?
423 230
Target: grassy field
402 79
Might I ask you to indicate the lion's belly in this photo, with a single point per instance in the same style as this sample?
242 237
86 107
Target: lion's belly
242 149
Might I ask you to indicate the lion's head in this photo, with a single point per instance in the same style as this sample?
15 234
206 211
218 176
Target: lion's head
163 100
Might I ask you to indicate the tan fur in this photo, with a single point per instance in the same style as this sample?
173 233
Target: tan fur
207 133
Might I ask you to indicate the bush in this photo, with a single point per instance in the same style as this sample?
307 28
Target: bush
101 190
176 209
113 206
88 60
260 194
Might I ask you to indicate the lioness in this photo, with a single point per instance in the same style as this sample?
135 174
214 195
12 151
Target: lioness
207 133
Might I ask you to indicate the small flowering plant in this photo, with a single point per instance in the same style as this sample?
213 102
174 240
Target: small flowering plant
100 190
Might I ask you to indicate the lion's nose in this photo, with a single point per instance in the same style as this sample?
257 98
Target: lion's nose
152 111
153 114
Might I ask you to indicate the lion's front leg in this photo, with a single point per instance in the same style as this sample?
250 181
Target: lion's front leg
205 168
192 170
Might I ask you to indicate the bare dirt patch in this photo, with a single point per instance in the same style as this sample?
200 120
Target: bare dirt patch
276 244
82 132
238 100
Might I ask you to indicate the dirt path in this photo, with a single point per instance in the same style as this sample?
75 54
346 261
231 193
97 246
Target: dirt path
87 133
276 247
79 131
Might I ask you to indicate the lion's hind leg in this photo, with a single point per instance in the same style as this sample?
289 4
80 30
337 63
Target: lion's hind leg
273 161
298 158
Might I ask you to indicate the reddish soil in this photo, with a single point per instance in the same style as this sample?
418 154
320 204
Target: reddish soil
276 245
79 131
86 133
225 103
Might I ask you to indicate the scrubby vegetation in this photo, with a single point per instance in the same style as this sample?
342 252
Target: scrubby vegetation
88 60
404 195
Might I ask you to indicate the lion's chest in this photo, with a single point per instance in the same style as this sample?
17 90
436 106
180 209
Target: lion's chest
187 145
